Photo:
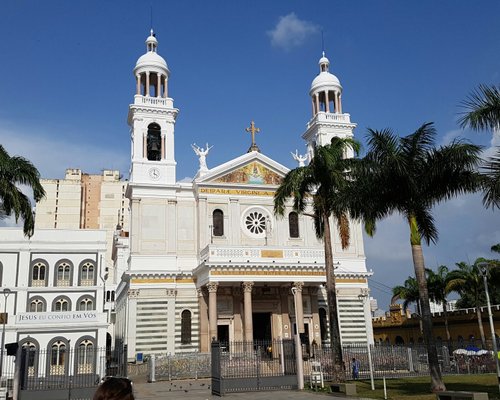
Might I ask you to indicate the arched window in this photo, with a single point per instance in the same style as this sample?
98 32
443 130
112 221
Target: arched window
61 303
85 303
154 142
57 358
399 341
31 356
186 327
37 304
87 273
293 224
323 325
39 274
63 274
218 222
85 357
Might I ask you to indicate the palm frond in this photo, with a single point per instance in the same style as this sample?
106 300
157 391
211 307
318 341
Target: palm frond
481 109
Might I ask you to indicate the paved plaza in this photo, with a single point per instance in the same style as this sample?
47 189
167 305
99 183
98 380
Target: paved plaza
200 390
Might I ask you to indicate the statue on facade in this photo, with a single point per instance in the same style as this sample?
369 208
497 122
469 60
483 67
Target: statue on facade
202 154
301 159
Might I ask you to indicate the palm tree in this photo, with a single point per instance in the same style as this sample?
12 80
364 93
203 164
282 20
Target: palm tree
439 291
468 283
408 292
409 175
481 112
317 191
15 171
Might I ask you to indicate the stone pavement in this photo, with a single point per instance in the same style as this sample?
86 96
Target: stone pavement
200 390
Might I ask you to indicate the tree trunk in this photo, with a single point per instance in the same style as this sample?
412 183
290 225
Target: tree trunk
437 384
480 323
331 293
446 327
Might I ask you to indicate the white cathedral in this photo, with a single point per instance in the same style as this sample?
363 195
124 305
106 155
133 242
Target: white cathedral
209 259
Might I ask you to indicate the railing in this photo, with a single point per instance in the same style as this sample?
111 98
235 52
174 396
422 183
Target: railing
214 253
329 117
180 366
153 101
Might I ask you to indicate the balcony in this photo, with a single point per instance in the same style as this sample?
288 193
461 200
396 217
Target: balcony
329 117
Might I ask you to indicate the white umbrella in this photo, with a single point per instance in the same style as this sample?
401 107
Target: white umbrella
460 351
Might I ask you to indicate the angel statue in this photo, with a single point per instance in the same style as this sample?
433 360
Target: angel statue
202 154
301 159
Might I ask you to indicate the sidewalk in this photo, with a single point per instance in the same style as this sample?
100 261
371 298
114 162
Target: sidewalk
200 390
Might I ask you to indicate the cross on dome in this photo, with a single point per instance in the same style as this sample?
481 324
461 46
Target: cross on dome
253 130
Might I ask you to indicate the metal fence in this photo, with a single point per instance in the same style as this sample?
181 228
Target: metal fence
399 361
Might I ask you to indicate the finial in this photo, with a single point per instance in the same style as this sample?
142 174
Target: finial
253 130
323 53
152 33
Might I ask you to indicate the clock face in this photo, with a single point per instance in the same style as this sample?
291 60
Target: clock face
154 173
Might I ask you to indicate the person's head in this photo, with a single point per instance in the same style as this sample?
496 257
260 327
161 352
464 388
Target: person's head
353 359
114 388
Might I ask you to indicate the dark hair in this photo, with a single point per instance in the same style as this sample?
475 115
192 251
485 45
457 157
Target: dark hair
114 388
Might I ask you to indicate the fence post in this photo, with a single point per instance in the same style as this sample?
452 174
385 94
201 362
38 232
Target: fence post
410 360
282 356
152 368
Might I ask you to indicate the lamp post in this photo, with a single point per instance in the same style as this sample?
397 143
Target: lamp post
483 269
6 292
298 345
364 296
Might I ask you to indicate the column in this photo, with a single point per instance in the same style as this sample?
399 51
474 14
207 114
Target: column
158 84
204 338
299 312
147 83
317 102
247 304
163 146
340 103
313 107
313 291
138 91
165 88
212 309
327 102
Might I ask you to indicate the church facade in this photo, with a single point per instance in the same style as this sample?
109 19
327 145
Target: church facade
209 259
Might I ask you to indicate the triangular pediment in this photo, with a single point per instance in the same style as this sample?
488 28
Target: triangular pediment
250 169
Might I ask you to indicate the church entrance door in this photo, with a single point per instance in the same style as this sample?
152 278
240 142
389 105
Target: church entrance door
261 326
223 333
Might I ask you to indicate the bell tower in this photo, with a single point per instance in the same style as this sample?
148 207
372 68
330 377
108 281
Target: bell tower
152 120
328 119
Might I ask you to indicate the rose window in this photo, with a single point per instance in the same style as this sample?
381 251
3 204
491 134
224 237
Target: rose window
255 222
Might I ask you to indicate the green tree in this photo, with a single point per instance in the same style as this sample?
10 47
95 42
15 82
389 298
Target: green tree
16 171
317 190
438 292
468 283
409 175
481 112
409 294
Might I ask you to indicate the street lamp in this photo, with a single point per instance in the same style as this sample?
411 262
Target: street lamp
364 296
298 345
483 269
6 292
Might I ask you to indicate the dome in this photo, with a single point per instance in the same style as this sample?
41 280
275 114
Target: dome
325 80
151 61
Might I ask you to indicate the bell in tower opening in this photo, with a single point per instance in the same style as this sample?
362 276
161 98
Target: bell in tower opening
154 142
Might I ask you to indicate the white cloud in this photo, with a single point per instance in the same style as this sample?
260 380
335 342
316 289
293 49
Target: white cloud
51 155
291 32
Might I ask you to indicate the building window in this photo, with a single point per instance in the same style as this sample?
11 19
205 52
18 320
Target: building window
293 224
37 304
31 356
61 303
323 324
87 273
57 358
154 142
39 274
63 277
186 327
256 222
85 357
218 223
85 304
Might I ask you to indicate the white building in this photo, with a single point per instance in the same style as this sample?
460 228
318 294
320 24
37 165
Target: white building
209 258
53 287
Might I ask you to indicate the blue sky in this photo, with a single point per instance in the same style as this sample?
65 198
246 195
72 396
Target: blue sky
67 81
